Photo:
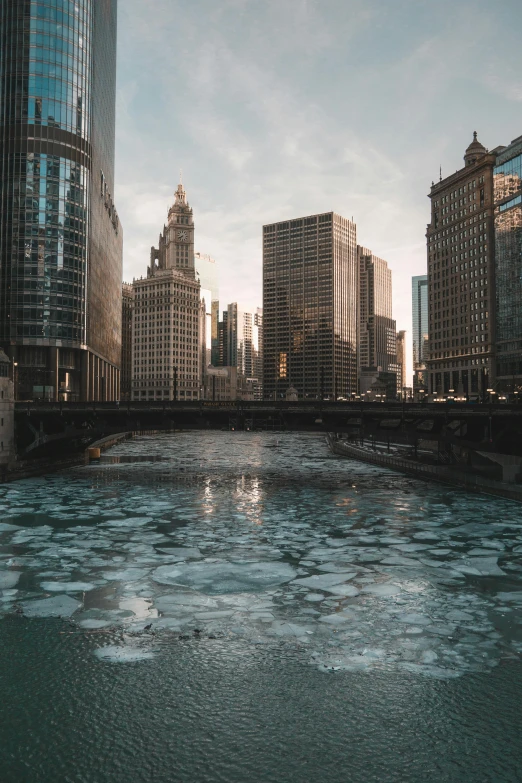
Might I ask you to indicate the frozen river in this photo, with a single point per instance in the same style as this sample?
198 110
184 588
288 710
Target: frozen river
239 606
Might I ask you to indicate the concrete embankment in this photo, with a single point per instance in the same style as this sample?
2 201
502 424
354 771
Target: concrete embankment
441 473
22 469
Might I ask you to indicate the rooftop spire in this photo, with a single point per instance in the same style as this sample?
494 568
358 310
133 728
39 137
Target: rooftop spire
475 151
180 195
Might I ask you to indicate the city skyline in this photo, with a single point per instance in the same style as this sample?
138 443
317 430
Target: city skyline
264 139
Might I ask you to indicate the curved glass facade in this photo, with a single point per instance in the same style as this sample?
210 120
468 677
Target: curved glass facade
57 82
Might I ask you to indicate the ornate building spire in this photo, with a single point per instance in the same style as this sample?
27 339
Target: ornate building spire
180 194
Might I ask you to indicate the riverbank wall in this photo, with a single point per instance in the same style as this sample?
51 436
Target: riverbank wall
22 469
441 473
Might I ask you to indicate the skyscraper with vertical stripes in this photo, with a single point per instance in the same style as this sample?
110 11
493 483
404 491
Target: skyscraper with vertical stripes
60 235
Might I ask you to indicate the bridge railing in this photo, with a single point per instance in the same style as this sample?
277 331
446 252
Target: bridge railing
452 409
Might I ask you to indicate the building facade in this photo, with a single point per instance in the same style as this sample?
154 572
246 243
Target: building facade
310 292
377 329
7 448
461 290
508 267
166 340
223 340
60 236
207 274
227 384
419 309
245 343
127 304
401 363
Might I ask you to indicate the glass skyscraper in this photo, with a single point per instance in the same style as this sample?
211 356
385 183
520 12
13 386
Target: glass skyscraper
419 302
507 178
60 236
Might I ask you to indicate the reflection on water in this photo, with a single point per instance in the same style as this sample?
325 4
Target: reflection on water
123 459
360 568
230 539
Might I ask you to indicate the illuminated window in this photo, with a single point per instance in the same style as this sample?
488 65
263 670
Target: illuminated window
283 365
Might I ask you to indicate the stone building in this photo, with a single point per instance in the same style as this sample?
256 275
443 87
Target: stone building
227 384
166 343
127 302
461 265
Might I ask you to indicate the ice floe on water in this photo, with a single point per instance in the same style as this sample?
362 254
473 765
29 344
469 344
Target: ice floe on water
351 567
225 577
115 653
59 606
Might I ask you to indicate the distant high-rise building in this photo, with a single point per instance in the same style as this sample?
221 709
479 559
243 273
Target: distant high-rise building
419 302
377 329
223 340
310 292
207 273
126 341
508 267
60 236
258 365
401 361
419 306
244 344
461 261
166 340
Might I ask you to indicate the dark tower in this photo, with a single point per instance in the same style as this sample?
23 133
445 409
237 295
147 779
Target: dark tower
60 237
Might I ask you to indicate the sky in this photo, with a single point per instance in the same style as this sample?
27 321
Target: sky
276 109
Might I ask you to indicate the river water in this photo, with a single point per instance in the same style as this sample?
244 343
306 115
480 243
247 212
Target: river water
247 607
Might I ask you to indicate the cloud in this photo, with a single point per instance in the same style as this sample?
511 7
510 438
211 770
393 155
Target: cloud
281 109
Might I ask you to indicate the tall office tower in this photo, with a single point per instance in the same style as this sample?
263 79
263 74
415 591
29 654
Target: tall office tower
127 303
377 329
419 308
205 330
60 236
244 345
223 340
310 306
508 267
207 273
258 366
401 362
419 302
461 260
167 314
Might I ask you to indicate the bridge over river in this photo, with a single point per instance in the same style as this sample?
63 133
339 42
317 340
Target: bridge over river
54 427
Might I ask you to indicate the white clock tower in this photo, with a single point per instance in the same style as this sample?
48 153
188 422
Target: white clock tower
166 343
